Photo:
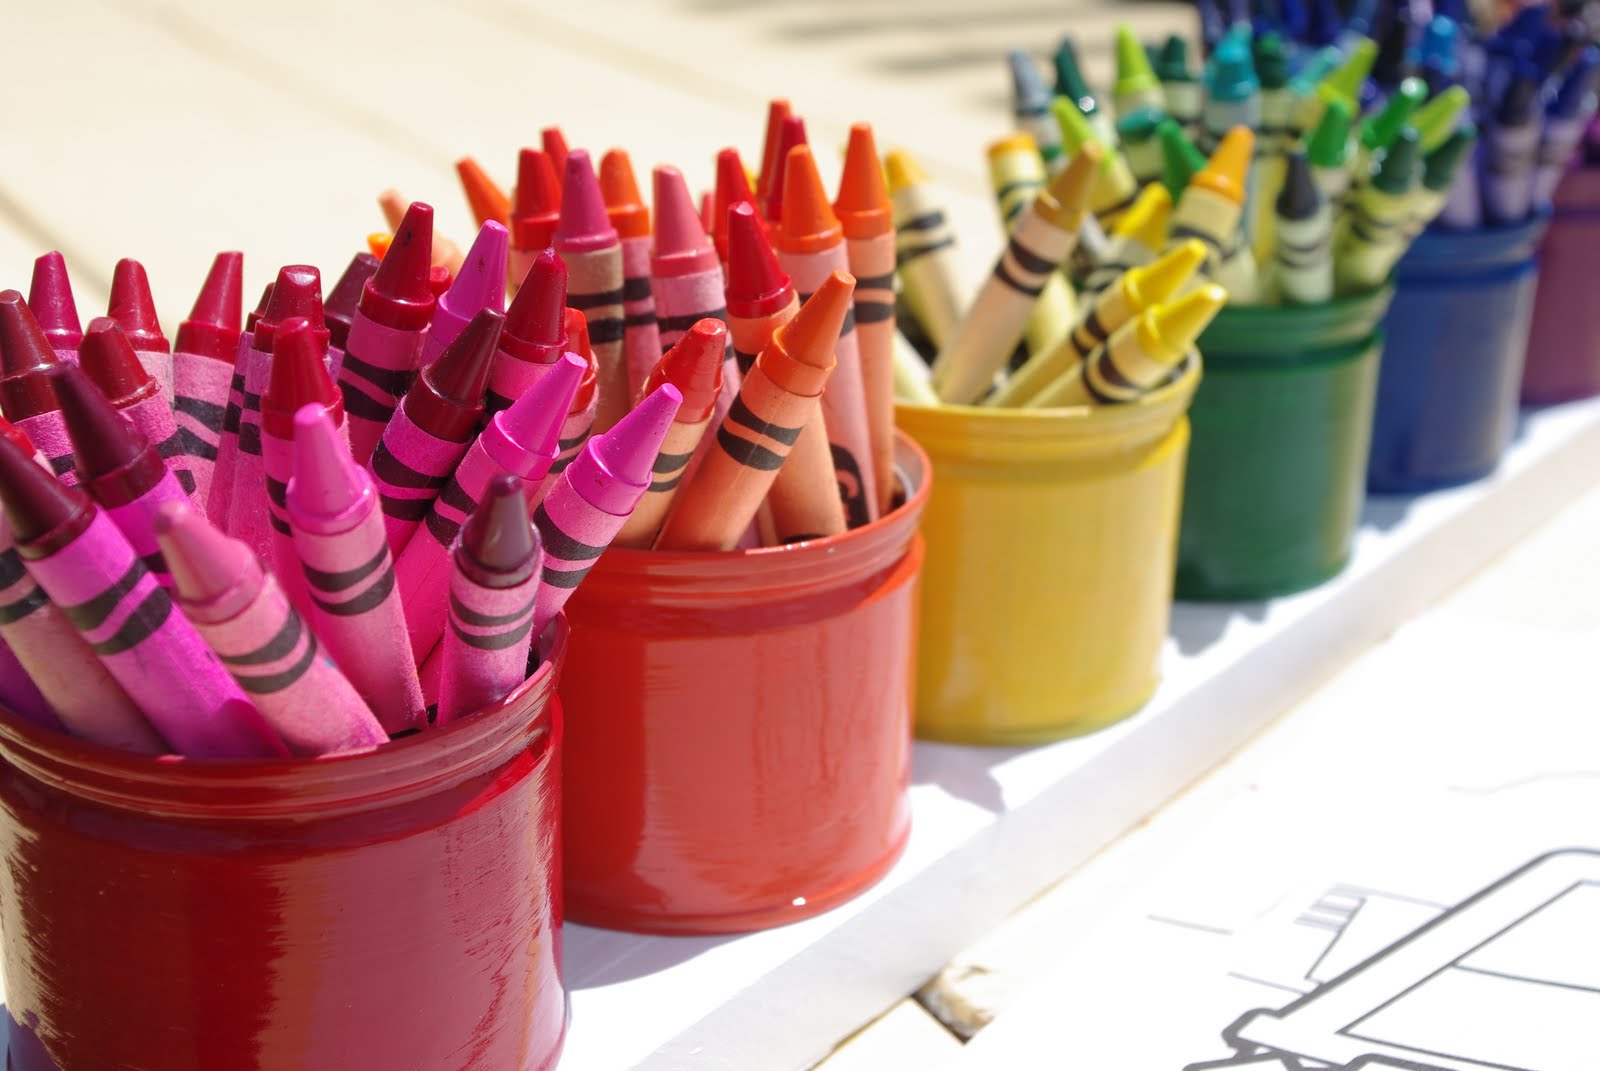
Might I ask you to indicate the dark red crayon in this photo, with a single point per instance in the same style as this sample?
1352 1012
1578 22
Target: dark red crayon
339 307
26 396
535 334
107 358
134 308
50 298
790 134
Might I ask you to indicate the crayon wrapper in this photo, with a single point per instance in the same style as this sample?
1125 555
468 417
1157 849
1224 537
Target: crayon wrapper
378 367
152 417
595 288
409 468
198 410
158 363
220 500
484 654
641 338
137 522
574 534
48 433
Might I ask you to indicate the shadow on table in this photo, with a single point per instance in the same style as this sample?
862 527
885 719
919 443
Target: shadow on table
1197 626
966 773
594 958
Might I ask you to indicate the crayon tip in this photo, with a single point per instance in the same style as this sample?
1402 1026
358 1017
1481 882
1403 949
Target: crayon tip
392 203
402 277
1146 220
1161 278
205 564
102 441
297 291
791 135
694 366
1301 197
212 329
1029 94
327 483
809 337
1225 172
1345 81
498 536
461 374
253 317
1075 129
554 143
577 333
1401 165
1173 63
1440 166
35 502
484 197
1134 72
808 224
1070 82
378 243
107 358
340 308
134 308
863 204
1436 119
1180 160
628 450
1179 324
537 312
1380 130
23 347
733 187
298 378
1072 185
583 224
481 282
537 205
678 227
1231 74
620 189
756 281
535 419
778 110
902 171
1014 142
50 298
1271 60
1330 142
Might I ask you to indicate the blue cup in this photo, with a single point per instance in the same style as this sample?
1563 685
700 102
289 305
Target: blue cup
1457 334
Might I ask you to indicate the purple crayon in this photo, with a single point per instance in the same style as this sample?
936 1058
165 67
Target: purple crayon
134 308
385 344
535 334
590 248
349 573
25 394
202 365
111 365
242 613
480 284
86 567
432 428
117 465
590 501
220 499
21 696
50 298
524 441
495 575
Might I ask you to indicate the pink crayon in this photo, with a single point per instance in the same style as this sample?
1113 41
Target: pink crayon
245 618
202 365
134 308
50 298
493 581
220 500
339 307
535 334
592 251
21 696
641 337
111 365
117 465
384 349
349 573
523 441
480 284
432 428
25 393
590 502
86 567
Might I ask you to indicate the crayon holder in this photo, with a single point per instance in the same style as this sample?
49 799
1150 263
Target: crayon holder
739 726
1452 365
1277 467
1048 585
1564 343
397 908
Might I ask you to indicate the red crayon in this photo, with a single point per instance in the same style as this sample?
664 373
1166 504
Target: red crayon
791 135
111 365
591 249
641 338
708 207
535 211
733 187
771 161
339 307
535 334
25 393
580 417
554 144
50 298
485 198
202 366
481 284
384 349
220 501
134 308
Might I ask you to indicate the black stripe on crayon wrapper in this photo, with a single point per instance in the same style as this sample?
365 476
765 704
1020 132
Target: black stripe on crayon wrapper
605 330
389 380
443 529
155 562
148 616
63 464
1095 327
368 600
282 642
185 480
925 221
874 312
638 319
875 282
907 253
11 568
1111 375
1030 261
745 361
558 544
405 509
170 447
251 403
250 438
86 616
358 403
585 302
687 320
12 612
1121 206
668 484
345 578
671 462
1094 392
1372 231
468 616
747 453
1003 192
1003 273
494 641
396 473
280 524
278 493
207 414
636 288
197 447
741 414
563 578
277 682
1182 232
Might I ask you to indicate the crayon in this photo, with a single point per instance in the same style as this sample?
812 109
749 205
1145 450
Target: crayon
481 284
1463 207
708 200
109 362
1392 64
220 501
791 135
778 110
339 308
244 616
1343 83
925 255
1180 160
50 299
1376 133
1233 95
1128 297
1016 174
775 401
487 201
1139 355
85 566
1212 203
1141 145
554 143
445 253
133 307
202 366
591 249
579 424
1440 171
1371 237
1074 88
1182 94
1303 254
1040 241
1437 64
1329 155
811 247
1114 185
912 385
493 583
1137 86
535 211
733 186
522 440
535 333
1030 106
1276 135
694 368
20 696
1569 111
1436 119
641 337
432 428
1139 237
26 396
350 576
384 348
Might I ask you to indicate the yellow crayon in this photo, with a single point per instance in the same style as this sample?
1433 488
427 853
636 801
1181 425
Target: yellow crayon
1017 174
925 256
1141 234
1140 355
1210 206
911 382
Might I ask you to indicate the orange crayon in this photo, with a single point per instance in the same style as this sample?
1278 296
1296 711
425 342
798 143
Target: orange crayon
484 196
641 336
535 211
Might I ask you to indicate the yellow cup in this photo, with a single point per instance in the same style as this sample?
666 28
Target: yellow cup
1051 537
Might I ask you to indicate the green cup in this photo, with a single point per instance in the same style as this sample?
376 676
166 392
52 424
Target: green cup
1278 461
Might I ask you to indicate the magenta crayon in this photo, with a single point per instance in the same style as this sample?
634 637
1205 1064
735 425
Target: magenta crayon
349 573
86 567
592 251
522 440
432 428
202 366
108 360
535 211
22 697
493 581
641 336
480 284
535 333
134 308
25 393
339 307
117 465
50 298
384 348
220 500
245 618
590 501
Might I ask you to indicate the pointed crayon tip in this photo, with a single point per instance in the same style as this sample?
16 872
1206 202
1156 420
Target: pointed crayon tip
1161 278
757 284
1146 221
107 358
50 298
902 171
628 450
297 291
1436 119
461 374
1345 82
205 564
327 483
1379 131
299 377
1401 165
535 419
863 205
1173 64
554 143
733 187
1225 172
1442 164
537 312
810 337
1179 324
536 207
340 308
215 320
1073 184
1018 141
620 189
485 198
402 278
134 308
791 136
808 224
1180 160
1029 94
35 502
584 224
102 441
498 535
1134 72
678 228
1301 196
694 366
1075 129
481 282
1330 142
708 209
778 110
23 346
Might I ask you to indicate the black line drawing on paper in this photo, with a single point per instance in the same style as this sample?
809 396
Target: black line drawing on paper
1507 980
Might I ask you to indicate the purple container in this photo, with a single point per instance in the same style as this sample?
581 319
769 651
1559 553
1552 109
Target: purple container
1564 342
